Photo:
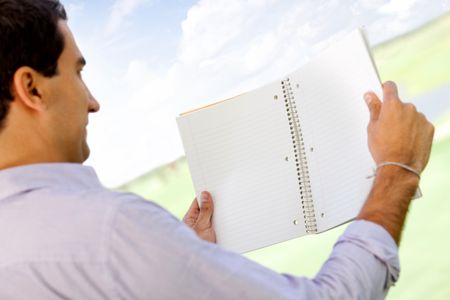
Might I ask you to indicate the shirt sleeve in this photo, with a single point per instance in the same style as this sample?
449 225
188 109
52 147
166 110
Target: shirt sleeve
152 255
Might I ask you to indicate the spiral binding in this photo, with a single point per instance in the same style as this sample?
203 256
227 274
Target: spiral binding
300 158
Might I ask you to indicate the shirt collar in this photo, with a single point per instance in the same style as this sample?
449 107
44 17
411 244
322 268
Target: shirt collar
28 177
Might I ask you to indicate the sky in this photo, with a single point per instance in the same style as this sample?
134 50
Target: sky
150 60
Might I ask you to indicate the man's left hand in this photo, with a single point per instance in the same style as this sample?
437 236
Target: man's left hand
199 218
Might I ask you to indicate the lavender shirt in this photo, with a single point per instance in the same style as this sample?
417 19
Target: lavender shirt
64 236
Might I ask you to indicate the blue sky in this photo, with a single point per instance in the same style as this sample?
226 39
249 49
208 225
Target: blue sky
149 60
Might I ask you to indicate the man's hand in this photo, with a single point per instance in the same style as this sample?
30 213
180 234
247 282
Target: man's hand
396 133
199 218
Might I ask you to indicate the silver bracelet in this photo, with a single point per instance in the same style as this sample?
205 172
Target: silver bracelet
418 193
390 163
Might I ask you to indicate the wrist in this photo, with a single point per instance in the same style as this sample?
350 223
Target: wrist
396 175
389 199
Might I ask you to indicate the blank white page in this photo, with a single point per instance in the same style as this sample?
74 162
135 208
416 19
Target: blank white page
334 120
241 151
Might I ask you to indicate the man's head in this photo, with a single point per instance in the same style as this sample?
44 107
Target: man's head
43 98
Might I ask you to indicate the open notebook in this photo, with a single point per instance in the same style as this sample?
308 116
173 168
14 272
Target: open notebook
289 158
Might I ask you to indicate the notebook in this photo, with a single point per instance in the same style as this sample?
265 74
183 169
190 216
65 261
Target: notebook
290 158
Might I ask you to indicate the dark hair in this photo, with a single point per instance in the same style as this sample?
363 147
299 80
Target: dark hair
29 36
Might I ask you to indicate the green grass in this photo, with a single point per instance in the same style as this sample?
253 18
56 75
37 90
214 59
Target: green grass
419 62
170 186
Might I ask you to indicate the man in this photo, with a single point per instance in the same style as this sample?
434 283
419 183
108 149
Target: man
66 237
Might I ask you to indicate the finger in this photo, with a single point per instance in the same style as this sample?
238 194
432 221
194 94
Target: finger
193 212
374 105
390 91
206 211
411 108
194 205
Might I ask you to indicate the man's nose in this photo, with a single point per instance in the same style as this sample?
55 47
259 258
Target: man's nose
94 106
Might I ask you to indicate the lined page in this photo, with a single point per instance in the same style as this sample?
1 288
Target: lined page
334 120
240 150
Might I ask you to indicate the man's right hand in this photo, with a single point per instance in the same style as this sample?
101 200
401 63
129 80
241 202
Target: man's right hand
397 132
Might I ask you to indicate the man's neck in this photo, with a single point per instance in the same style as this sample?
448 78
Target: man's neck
20 148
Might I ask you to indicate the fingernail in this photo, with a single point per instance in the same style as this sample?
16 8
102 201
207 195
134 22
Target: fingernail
204 197
368 98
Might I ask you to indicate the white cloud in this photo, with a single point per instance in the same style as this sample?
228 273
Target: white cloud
225 47
120 10
397 6
445 4
74 9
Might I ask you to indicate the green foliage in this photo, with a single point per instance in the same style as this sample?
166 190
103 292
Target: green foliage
424 248
417 61
170 186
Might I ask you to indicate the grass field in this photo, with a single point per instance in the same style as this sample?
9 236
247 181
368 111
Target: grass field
418 62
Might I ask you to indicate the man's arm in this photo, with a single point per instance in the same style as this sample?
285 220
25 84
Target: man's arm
397 133
389 199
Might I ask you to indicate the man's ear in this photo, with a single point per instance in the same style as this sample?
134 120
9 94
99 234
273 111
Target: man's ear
29 88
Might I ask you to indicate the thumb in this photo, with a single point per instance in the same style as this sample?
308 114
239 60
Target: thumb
374 105
206 211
